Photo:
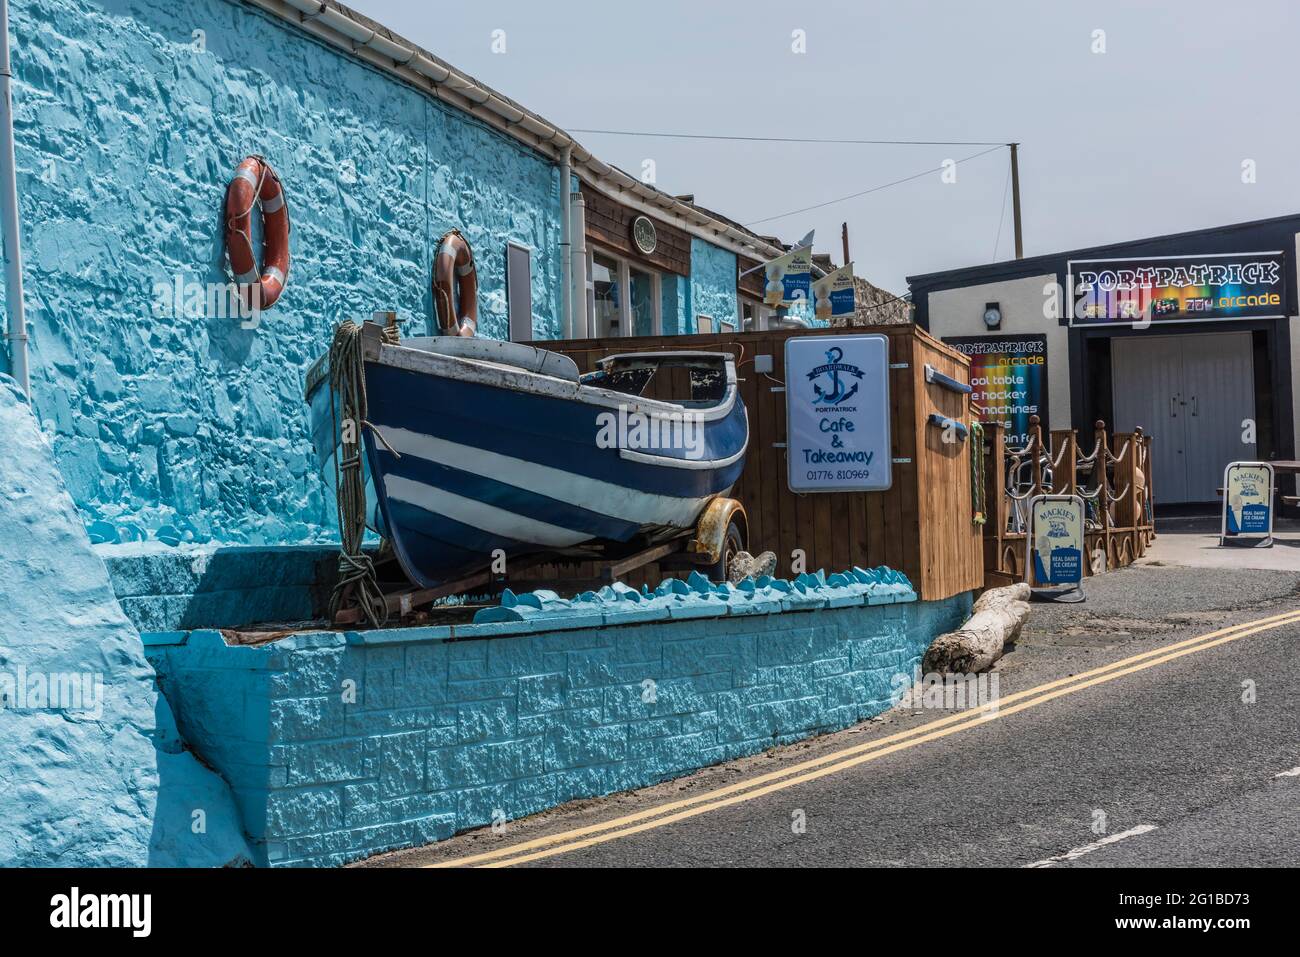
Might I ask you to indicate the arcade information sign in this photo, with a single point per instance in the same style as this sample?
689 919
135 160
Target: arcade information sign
1055 542
837 413
1167 289
1247 503
1008 378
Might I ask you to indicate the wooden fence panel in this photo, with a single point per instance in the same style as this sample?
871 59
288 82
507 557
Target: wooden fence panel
949 540
922 525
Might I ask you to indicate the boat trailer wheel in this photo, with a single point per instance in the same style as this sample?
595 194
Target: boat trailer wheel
732 543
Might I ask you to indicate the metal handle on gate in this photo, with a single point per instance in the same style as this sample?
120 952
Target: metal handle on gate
943 422
934 376
1196 405
1173 403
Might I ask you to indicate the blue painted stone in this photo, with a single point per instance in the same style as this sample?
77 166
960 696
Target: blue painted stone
108 785
219 434
712 285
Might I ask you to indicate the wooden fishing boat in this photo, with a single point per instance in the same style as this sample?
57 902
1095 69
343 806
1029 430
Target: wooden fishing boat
475 448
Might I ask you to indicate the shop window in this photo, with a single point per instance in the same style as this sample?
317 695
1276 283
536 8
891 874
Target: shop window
642 300
519 292
625 298
606 316
754 316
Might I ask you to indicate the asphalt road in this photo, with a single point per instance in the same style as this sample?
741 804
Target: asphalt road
1167 765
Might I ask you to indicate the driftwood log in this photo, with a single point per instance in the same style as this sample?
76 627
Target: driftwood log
744 565
995 621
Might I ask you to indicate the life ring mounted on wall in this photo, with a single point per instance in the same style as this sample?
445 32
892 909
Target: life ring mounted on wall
255 183
455 285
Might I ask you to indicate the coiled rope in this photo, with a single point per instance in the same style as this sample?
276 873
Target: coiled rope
356 576
976 444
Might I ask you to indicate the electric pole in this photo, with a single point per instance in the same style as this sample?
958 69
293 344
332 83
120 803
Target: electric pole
1015 200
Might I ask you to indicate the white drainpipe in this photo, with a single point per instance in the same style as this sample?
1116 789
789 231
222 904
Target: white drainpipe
17 335
578 272
566 291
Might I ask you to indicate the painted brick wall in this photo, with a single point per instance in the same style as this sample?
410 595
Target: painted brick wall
163 588
443 735
713 284
129 122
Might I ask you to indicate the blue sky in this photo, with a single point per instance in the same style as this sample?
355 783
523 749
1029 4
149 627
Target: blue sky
1146 138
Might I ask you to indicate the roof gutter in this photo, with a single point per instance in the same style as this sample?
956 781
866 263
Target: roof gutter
337 26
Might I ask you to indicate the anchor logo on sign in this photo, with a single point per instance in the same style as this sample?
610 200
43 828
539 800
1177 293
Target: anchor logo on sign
833 367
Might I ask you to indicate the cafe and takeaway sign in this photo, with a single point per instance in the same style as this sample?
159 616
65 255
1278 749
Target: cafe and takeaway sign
837 413
1177 289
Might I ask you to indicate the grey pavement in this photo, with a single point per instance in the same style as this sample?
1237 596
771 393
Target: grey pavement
1194 541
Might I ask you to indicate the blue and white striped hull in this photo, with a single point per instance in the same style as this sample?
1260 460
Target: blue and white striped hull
485 458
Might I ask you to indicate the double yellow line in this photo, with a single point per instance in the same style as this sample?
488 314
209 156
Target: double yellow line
674 811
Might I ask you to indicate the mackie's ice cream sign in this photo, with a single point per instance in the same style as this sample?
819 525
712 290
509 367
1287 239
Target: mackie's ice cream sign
1055 540
1178 289
1247 501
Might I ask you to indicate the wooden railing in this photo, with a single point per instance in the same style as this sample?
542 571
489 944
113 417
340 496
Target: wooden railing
1113 479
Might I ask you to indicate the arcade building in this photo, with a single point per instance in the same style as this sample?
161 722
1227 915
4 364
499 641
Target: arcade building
1192 336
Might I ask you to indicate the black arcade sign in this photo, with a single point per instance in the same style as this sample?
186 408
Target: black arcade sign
1178 288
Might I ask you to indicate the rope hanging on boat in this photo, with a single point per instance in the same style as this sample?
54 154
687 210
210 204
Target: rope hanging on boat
977 472
348 386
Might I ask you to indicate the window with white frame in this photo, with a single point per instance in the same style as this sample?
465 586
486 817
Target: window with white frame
754 316
625 297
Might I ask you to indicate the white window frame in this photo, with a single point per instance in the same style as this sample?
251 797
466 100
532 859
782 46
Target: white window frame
763 314
511 304
625 267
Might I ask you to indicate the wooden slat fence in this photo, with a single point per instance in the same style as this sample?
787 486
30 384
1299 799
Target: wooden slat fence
921 526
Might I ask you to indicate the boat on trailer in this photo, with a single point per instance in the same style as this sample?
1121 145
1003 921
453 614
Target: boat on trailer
477 448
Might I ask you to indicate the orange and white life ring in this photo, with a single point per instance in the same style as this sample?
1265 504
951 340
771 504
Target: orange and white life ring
453 265
255 183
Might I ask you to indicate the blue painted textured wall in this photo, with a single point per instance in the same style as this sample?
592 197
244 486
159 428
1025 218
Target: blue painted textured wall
802 310
675 292
443 735
713 284
99 777
129 124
